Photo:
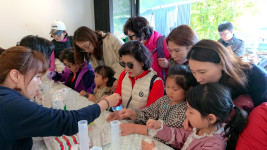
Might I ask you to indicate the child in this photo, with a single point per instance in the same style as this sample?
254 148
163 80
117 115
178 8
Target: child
104 78
75 76
208 106
169 108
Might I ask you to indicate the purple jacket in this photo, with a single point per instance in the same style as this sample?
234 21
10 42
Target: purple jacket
84 81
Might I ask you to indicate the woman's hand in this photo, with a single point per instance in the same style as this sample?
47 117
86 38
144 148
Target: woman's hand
113 116
127 128
83 93
127 113
153 124
114 86
147 146
109 101
163 62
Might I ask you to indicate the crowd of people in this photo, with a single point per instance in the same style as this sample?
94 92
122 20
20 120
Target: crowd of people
187 93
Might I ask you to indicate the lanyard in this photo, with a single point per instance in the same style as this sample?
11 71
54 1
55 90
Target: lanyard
128 102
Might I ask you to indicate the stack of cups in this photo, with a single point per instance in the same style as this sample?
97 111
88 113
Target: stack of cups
115 133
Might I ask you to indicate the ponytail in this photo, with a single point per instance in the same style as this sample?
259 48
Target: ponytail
110 81
235 127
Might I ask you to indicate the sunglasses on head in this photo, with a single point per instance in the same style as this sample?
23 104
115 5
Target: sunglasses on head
129 65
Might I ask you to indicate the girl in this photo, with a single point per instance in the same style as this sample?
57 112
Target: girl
99 48
104 78
135 82
169 108
207 108
75 76
209 62
20 119
180 41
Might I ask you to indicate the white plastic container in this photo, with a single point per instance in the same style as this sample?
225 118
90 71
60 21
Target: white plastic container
83 135
115 135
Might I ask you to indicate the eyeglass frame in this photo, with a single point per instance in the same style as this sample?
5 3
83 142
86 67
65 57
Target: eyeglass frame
131 36
224 34
129 64
82 49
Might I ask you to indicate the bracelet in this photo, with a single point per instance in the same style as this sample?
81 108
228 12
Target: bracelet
107 102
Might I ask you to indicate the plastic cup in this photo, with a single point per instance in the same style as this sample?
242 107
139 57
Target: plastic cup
115 133
83 135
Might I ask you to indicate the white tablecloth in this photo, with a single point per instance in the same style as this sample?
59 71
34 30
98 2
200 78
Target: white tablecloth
129 142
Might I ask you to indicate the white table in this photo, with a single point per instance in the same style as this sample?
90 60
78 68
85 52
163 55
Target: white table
129 142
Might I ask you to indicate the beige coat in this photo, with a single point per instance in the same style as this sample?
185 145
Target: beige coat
111 46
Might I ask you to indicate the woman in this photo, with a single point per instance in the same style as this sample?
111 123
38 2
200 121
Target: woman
138 85
61 40
180 41
209 61
137 28
99 48
20 119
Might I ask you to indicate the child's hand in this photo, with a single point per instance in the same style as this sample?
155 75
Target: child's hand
83 93
127 113
127 128
114 86
92 98
153 124
147 146
95 90
113 116
187 125
51 74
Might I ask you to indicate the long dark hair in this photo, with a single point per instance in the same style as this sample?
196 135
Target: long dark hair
214 98
85 34
106 72
233 68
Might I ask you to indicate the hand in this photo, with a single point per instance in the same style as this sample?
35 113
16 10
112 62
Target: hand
103 97
92 98
147 146
163 62
113 116
51 74
114 86
83 93
113 99
95 90
187 125
127 128
153 124
127 113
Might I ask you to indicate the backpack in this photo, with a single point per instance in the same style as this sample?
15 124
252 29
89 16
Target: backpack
160 52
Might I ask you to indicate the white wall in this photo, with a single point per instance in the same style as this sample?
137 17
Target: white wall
19 18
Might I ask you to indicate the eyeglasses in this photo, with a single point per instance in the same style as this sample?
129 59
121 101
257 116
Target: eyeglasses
131 36
86 47
129 65
223 34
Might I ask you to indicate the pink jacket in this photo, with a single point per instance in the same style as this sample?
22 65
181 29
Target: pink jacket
151 45
52 60
189 140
